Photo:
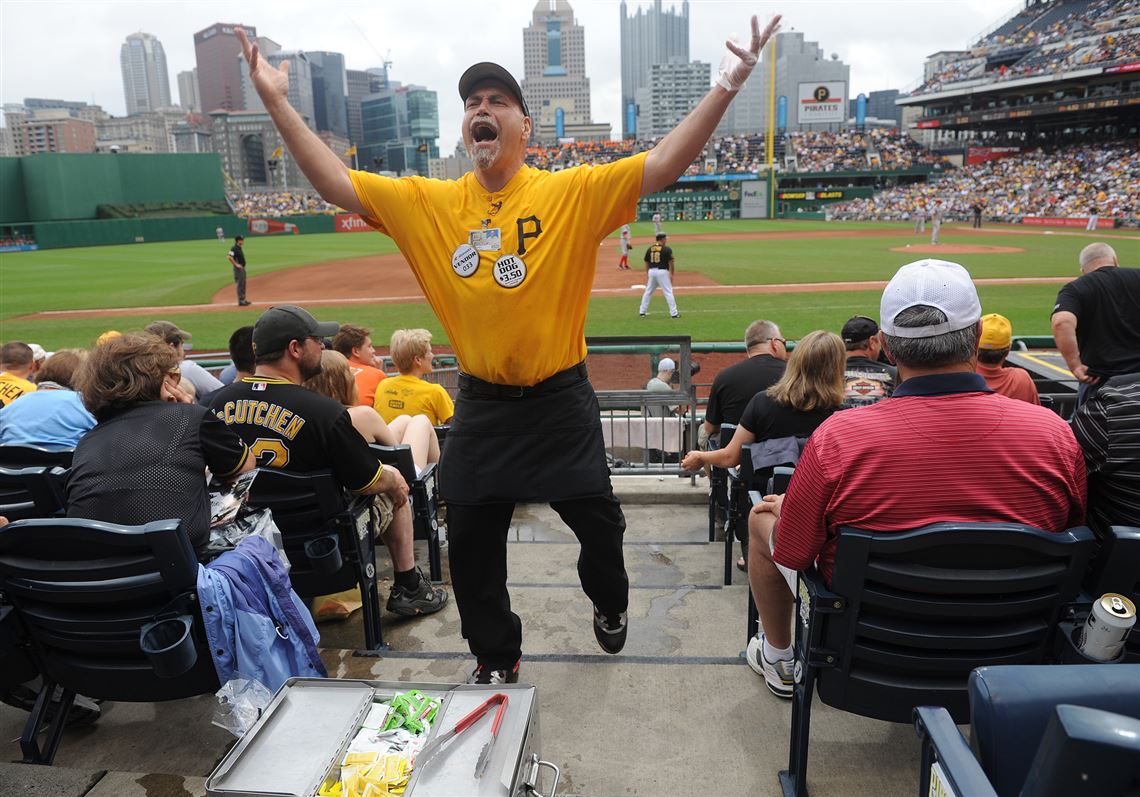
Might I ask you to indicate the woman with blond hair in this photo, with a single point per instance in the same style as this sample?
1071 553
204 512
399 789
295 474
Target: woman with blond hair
336 381
409 393
809 391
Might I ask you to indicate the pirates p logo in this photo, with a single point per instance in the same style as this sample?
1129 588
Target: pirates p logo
821 94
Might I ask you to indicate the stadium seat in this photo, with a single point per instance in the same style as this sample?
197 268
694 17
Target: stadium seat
718 484
777 485
31 492
30 456
424 495
909 614
330 540
88 599
1010 711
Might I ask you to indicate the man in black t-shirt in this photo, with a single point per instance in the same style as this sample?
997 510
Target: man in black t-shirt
290 427
865 379
1096 320
236 256
735 386
659 272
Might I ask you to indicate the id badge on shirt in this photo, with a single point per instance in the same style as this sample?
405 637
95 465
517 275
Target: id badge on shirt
488 240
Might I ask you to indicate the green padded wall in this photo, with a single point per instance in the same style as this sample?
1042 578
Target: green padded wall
61 187
13 207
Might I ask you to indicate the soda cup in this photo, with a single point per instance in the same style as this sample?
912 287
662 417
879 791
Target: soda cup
1108 625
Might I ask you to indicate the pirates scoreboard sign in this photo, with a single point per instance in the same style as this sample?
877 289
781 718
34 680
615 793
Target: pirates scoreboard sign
822 103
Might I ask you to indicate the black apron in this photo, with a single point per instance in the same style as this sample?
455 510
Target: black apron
524 445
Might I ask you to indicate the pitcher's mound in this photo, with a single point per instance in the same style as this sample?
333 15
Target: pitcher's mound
956 249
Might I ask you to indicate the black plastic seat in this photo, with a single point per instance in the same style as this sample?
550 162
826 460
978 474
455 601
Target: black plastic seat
777 485
330 538
424 494
107 611
718 483
909 614
31 456
31 492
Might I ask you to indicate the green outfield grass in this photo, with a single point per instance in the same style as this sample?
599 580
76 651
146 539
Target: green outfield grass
191 272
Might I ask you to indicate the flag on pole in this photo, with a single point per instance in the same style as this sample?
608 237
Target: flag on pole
351 151
276 154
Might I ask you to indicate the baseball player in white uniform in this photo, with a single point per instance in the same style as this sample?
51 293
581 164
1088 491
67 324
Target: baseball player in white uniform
659 273
935 221
656 223
624 245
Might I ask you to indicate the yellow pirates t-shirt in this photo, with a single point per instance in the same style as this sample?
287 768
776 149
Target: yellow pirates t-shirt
12 387
507 273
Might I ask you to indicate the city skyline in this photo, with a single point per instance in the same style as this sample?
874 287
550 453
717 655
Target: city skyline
82 61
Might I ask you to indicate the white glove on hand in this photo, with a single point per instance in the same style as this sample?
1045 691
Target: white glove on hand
738 63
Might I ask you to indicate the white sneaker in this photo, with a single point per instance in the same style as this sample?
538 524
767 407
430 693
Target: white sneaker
779 676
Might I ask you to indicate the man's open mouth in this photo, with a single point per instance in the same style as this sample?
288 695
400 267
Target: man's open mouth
483 131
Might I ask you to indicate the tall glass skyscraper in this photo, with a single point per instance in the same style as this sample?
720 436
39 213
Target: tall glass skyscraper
146 83
400 130
330 91
648 36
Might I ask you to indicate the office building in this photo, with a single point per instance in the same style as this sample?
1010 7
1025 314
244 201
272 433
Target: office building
49 130
798 63
673 90
77 110
152 131
246 141
330 92
400 130
880 106
188 96
219 61
648 36
360 84
146 83
451 167
300 80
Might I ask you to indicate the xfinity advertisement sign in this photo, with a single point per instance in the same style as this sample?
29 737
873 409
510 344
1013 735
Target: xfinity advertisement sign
754 199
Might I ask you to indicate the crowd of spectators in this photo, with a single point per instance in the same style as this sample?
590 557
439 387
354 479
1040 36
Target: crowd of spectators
1047 181
857 150
565 156
280 203
1099 32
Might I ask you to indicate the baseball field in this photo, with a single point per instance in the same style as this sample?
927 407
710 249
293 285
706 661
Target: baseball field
803 274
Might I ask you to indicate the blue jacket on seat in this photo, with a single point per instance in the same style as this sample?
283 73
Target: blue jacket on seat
256 625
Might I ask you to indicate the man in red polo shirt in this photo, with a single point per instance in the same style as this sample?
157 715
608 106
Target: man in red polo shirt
944 447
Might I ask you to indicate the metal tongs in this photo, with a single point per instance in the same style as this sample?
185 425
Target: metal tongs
437 744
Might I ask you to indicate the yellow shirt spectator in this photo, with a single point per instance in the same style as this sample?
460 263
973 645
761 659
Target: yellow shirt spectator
410 395
12 387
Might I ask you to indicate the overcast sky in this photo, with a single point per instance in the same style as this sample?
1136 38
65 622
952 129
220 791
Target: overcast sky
70 50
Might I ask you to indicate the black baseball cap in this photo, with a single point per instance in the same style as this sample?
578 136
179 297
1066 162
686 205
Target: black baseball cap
859 328
485 70
287 322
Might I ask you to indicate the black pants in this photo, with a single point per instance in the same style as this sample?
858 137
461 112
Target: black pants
477 549
239 281
542 445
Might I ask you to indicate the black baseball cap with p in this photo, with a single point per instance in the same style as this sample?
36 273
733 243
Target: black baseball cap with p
859 328
485 70
280 325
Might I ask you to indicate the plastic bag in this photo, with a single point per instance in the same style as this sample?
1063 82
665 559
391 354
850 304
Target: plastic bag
231 521
240 703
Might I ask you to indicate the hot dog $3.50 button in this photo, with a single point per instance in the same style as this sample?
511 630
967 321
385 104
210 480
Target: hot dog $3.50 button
509 271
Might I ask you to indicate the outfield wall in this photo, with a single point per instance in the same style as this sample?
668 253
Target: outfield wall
56 187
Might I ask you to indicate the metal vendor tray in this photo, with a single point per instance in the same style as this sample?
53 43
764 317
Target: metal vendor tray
308 725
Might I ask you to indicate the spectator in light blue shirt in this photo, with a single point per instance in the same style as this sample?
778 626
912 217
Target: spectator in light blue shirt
56 417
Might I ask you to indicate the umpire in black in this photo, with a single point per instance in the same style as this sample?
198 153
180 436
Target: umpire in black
236 256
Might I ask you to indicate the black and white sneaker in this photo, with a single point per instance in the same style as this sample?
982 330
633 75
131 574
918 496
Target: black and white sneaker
425 599
485 675
610 630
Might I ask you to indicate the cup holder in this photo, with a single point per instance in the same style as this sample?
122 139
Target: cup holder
168 645
323 554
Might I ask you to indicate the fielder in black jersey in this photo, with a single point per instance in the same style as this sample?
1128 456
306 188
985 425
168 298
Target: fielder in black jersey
289 427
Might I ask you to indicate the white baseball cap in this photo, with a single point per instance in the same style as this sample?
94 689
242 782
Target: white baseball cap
38 353
666 364
936 283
